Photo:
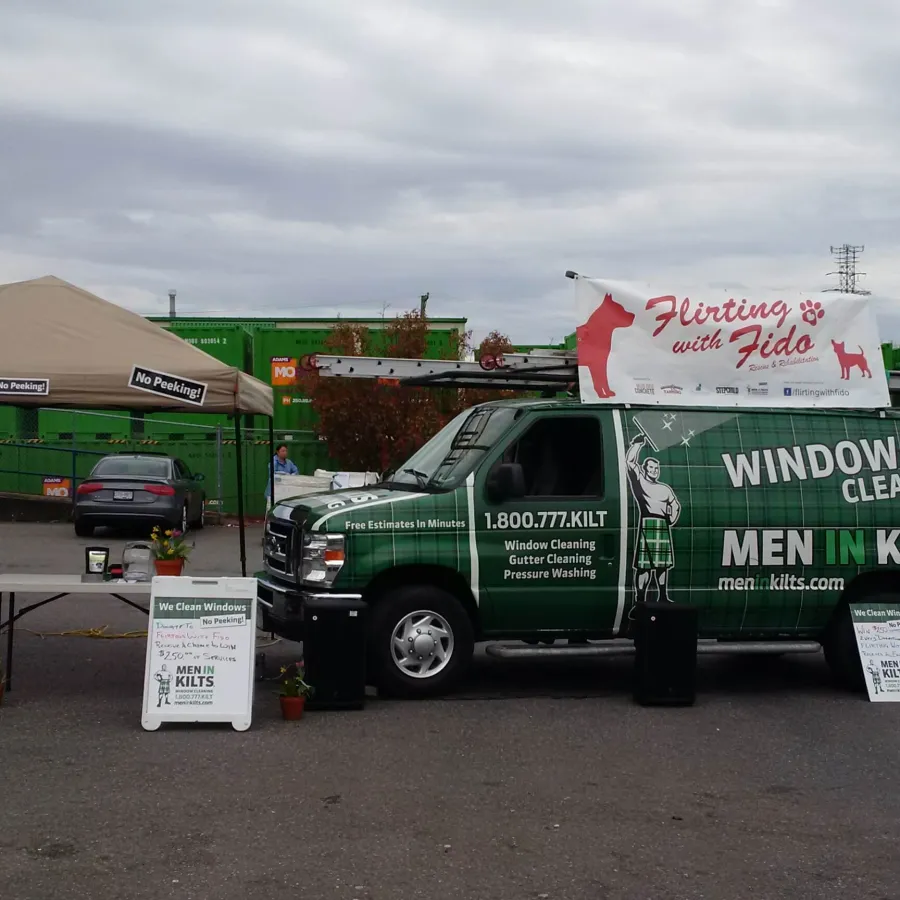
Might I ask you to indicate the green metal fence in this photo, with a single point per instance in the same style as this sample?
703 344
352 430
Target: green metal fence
211 449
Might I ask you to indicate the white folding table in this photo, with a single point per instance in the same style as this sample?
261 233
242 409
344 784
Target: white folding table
58 586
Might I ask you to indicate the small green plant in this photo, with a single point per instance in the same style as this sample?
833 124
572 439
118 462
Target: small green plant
169 544
293 683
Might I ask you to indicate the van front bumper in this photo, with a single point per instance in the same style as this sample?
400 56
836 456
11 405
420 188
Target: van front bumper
282 609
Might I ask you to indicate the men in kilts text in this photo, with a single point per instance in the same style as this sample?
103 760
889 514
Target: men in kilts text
658 509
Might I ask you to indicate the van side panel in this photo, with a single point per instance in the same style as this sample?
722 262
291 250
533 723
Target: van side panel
776 512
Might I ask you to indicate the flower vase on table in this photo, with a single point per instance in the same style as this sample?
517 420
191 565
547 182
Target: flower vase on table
170 551
168 566
294 691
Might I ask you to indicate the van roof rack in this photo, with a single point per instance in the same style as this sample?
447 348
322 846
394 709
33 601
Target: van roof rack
544 371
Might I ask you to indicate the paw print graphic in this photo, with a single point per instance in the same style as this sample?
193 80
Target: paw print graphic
812 311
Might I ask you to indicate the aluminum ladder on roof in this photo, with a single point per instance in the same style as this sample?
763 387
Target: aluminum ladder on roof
540 371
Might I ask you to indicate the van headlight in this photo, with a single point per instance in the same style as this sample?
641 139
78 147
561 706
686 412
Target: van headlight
321 558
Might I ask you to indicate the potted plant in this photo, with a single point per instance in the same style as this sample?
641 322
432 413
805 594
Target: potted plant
294 691
170 551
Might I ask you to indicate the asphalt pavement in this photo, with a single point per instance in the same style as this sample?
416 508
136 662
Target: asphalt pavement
535 780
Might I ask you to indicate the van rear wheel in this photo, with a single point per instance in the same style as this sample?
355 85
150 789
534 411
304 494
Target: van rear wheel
420 642
839 644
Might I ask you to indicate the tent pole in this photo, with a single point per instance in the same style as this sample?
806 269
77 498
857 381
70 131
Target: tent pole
272 459
240 489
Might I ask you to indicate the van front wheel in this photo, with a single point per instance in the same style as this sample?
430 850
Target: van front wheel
420 642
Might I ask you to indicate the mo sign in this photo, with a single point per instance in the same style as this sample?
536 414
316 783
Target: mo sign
284 371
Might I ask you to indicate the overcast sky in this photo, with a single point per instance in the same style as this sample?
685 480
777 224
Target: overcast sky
309 157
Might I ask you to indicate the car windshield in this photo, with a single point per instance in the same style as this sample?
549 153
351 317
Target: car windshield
132 467
455 450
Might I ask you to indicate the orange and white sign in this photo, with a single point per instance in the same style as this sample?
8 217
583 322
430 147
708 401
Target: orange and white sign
285 401
638 345
284 371
57 487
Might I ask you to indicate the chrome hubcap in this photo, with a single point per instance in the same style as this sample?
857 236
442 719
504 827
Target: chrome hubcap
422 644
184 520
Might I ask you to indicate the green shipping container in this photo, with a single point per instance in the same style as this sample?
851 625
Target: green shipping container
276 359
7 422
230 344
63 424
277 354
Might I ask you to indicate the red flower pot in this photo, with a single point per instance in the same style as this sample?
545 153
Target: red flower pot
168 566
292 707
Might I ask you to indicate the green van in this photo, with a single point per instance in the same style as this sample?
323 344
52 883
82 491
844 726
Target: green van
539 520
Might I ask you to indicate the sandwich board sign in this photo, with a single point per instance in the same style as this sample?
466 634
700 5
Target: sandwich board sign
877 628
201 652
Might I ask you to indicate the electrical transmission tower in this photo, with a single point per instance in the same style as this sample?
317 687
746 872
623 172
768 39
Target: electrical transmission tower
846 257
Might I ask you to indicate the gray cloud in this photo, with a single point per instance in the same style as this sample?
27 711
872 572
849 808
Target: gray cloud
314 158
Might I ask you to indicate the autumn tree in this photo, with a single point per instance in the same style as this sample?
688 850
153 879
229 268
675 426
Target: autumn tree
376 425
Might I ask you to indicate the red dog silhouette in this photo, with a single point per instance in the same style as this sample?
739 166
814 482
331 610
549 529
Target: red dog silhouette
850 361
594 341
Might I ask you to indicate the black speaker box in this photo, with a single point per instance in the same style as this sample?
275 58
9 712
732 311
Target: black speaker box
665 643
334 653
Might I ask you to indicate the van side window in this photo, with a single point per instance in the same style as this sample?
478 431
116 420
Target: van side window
561 456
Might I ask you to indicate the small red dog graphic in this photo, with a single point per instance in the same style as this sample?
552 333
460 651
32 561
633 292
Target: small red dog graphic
850 361
594 340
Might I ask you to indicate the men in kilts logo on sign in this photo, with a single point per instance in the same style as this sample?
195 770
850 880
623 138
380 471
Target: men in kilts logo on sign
164 680
658 509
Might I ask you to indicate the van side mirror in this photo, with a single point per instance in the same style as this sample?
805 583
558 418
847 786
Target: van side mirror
507 482
199 477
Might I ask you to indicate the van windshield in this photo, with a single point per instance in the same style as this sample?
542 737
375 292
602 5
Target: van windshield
456 449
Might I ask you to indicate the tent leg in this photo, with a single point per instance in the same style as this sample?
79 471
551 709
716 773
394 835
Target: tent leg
240 488
272 477
271 458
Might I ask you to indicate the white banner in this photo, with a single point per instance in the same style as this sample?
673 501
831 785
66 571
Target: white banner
641 346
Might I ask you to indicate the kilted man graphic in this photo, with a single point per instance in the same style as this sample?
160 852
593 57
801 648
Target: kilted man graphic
164 678
875 672
658 509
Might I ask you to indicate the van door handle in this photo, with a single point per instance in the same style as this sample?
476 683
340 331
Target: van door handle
609 545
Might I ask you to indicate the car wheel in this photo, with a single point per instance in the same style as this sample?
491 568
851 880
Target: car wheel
82 529
201 522
184 524
420 642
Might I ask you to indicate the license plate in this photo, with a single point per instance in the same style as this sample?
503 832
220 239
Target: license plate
123 495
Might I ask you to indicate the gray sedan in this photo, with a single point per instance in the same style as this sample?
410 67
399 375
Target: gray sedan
129 489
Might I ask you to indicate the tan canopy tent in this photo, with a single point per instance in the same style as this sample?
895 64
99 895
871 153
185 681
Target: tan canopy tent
61 346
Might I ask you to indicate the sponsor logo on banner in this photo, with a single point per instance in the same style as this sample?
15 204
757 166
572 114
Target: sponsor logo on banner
57 487
172 387
24 387
644 388
730 343
284 370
